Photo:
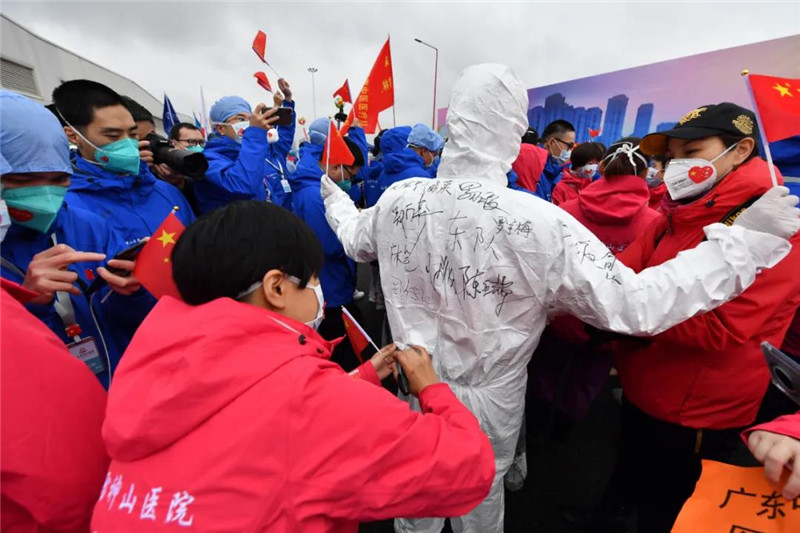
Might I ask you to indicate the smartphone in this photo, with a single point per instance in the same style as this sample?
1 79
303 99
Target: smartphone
128 254
284 115
785 371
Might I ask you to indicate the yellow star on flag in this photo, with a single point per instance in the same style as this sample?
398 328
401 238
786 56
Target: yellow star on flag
166 238
166 259
783 90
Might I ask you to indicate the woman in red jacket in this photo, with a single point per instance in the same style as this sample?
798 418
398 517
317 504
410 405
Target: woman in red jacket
226 414
691 390
584 162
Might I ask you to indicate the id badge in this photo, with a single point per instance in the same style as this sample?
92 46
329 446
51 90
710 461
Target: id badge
286 188
86 350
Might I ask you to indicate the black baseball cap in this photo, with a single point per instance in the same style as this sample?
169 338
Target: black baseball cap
358 155
705 121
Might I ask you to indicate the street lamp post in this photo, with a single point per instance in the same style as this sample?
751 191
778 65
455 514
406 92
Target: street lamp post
435 78
312 70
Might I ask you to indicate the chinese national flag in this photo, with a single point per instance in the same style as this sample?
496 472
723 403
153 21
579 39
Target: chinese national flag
263 81
260 45
154 264
376 95
355 333
344 92
336 151
778 102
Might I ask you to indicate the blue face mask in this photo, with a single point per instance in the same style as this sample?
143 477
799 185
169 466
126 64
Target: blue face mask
34 207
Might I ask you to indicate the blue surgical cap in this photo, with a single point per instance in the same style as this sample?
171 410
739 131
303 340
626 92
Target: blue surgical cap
424 137
318 131
228 106
31 137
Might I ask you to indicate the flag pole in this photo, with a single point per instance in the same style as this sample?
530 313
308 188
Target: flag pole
762 134
205 122
328 151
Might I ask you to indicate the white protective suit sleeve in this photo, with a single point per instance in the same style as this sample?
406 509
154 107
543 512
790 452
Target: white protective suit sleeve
587 281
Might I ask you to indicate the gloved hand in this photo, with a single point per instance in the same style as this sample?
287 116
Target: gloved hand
328 188
775 213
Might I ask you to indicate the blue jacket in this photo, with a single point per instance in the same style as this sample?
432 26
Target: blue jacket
551 175
275 168
338 276
399 161
133 207
236 171
82 231
372 189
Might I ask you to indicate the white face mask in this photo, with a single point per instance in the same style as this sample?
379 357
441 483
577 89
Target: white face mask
238 128
691 177
586 171
317 292
5 220
272 136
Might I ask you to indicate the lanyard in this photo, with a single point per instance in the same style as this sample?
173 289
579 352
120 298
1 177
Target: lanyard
279 168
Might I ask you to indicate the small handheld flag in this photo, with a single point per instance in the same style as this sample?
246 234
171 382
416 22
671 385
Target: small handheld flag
154 263
344 92
359 338
336 151
263 81
260 45
169 116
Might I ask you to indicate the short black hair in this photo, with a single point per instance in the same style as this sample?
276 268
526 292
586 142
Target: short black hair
229 249
76 101
585 152
729 139
376 143
531 136
175 132
621 164
139 112
556 127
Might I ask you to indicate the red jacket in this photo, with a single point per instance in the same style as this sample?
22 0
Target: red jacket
529 165
231 418
657 194
709 372
788 425
569 187
614 209
51 407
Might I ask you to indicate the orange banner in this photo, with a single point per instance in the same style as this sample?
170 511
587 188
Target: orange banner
733 499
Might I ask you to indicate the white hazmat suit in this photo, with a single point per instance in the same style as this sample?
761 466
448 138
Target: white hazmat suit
471 269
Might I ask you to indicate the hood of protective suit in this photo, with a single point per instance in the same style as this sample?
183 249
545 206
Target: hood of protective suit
485 122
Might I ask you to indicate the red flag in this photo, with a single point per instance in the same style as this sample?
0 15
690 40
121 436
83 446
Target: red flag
778 103
336 151
154 264
593 133
260 45
376 95
344 92
355 333
263 81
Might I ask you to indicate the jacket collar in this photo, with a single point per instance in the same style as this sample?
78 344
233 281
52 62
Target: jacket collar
89 176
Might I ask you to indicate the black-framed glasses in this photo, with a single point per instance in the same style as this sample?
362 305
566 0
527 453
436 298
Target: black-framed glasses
193 142
570 146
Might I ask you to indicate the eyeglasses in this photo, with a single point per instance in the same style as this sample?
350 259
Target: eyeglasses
193 142
350 172
568 145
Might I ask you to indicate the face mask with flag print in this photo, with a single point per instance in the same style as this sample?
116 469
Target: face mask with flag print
34 207
691 177
239 127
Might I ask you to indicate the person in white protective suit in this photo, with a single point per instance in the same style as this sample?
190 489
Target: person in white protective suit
471 269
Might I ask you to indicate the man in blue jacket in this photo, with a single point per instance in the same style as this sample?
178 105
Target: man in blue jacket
409 155
240 156
558 138
111 178
338 275
276 169
53 248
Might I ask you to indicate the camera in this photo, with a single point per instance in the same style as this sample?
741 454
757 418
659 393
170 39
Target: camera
192 165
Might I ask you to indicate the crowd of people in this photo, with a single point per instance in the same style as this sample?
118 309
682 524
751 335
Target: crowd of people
514 271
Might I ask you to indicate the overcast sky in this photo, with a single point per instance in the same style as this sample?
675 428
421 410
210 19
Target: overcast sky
175 47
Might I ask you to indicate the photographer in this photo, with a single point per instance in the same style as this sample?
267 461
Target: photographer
237 154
